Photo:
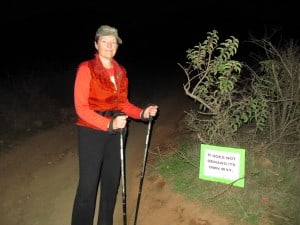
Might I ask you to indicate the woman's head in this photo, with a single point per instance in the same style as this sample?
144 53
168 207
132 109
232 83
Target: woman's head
107 41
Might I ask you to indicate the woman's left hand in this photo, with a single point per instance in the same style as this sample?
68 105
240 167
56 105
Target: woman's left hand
150 111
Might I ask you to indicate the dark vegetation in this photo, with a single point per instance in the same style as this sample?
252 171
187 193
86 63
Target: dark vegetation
34 97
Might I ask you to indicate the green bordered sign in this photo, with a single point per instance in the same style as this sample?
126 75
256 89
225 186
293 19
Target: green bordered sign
222 164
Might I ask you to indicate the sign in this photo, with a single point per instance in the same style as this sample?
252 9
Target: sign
222 164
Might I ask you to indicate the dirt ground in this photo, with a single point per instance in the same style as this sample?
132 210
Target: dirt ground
38 176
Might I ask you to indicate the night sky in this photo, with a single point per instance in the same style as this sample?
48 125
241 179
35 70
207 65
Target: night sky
152 31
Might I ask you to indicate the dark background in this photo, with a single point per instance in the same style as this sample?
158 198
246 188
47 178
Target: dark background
154 32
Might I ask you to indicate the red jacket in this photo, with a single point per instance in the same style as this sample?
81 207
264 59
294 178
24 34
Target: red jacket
94 91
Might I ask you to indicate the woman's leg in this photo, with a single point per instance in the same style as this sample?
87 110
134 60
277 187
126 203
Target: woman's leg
90 150
110 180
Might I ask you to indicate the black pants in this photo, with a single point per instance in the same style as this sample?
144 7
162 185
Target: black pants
99 161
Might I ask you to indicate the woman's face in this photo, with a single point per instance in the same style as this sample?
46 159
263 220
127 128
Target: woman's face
107 46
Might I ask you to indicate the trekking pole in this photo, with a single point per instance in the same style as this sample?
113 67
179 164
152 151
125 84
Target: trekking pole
143 169
123 176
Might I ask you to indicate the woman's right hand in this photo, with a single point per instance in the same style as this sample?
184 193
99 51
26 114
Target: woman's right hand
119 122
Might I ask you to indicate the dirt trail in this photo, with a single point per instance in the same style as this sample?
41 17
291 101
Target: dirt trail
38 176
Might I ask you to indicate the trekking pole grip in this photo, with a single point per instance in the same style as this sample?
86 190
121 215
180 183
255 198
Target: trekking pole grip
150 118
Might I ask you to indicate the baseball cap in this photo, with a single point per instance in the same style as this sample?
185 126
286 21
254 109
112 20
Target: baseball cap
106 30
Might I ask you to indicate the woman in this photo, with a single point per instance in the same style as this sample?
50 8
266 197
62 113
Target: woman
102 106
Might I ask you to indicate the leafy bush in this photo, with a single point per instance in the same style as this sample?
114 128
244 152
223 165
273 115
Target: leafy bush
227 100
213 80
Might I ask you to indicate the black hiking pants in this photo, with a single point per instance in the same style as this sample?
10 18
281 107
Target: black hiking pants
99 162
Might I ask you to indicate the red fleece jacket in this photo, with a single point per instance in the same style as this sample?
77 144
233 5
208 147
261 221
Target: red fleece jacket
94 91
